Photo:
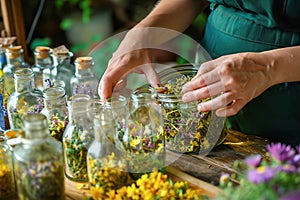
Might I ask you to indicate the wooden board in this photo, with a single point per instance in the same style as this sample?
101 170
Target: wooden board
209 168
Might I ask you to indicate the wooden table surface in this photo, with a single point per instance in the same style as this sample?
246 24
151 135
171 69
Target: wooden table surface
200 171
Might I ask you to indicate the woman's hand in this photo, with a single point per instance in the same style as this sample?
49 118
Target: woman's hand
231 80
114 78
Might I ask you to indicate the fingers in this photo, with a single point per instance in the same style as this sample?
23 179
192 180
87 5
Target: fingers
204 92
232 109
201 80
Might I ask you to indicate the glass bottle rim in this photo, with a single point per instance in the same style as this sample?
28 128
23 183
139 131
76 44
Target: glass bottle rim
54 93
23 73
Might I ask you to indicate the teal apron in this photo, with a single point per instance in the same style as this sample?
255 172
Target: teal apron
240 26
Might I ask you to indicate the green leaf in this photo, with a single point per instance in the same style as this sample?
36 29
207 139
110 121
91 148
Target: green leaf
66 23
40 42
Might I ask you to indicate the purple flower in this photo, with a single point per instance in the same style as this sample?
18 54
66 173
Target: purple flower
260 174
150 145
48 83
298 149
281 152
296 160
288 168
253 161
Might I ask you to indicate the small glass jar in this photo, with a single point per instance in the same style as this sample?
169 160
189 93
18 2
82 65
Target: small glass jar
15 61
7 189
119 107
107 163
77 138
43 67
186 129
56 111
38 162
65 69
85 80
144 137
23 100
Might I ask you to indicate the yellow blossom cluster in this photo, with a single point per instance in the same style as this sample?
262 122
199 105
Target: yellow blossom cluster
155 185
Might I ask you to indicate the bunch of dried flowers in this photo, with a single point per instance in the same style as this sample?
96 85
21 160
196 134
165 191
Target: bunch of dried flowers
155 185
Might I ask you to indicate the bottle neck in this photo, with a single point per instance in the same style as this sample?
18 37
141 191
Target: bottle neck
24 84
55 103
42 62
83 72
18 61
62 60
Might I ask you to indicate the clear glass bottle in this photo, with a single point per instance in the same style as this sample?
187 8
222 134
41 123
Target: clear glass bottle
77 138
144 137
15 61
65 69
38 162
5 42
107 163
23 100
119 107
7 189
43 67
84 81
56 111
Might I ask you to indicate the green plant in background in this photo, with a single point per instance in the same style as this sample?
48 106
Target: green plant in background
83 5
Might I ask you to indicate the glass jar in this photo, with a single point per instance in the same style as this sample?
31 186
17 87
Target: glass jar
84 81
38 162
119 108
186 129
144 136
23 100
7 189
77 138
56 111
43 67
15 61
65 69
107 164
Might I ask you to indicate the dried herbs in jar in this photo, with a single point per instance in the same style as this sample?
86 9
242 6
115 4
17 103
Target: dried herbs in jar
38 162
186 129
77 138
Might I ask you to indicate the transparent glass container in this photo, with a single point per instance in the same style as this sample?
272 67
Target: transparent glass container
23 100
144 137
120 111
43 67
186 129
56 111
38 162
65 69
77 138
107 163
7 189
84 81
15 61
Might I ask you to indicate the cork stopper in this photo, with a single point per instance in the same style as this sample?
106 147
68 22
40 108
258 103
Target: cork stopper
84 62
14 52
42 52
7 41
61 50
